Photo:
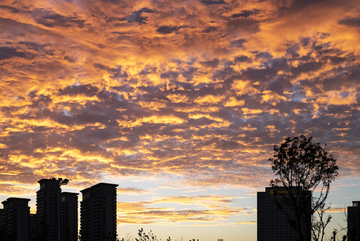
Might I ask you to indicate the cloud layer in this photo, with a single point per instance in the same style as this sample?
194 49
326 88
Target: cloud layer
213 208
195 93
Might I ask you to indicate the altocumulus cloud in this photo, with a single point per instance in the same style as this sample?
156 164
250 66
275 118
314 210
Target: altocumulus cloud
194 93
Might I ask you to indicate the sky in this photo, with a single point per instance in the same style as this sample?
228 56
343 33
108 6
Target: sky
178 102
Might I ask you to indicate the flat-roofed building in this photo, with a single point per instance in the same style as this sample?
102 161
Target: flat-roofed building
15 219
69 216
98 212
48 209
32 227
353 221
1 217
272 222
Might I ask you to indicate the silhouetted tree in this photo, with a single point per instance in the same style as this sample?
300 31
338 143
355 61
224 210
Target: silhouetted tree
142 236
320 222
303 166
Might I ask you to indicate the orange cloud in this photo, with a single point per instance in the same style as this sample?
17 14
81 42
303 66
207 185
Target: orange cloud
140 212
248 222
189 91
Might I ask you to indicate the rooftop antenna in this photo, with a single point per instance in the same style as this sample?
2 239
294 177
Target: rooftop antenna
63 182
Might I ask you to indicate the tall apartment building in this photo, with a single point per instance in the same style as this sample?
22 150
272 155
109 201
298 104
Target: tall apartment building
33 227
98 212
353 221
272 222
15 219
69 216
1 217
48 209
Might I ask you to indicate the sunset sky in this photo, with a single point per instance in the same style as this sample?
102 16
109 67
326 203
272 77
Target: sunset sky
179 102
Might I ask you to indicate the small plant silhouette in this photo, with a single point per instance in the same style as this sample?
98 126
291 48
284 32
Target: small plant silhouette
142 236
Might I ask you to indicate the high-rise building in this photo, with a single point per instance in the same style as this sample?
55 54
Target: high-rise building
69 216
48 209
15 219
353 221
98 212
33 227
1 217
272 222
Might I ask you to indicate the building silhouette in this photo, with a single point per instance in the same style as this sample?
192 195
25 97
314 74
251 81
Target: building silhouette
353 221
15 219
48 209
272 222
56 217
98 212
1 218
33 227
69 216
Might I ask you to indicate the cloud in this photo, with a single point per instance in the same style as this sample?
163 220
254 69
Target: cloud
209 29
238 43
167 29
52 19
146 213
11 189
211 2
131 190
194 91
248 222
211 63
87 90
334 98
242 58
8 52
136 16
336 210
353 22
245 13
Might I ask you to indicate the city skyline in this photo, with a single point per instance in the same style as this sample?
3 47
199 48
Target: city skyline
98 214
97 199
57 213
178 102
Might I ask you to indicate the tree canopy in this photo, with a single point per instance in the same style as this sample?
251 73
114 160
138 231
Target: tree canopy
300 162
304 166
